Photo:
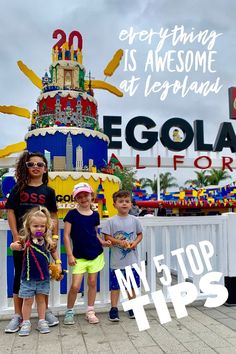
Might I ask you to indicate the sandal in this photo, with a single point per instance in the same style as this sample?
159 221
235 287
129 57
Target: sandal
91 317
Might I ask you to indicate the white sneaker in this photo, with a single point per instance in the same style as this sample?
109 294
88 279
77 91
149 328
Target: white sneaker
69 317
25 329
14 325
43 327
51 319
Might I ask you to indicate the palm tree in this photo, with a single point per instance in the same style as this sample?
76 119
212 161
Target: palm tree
166 181
216 176
201 180
147 182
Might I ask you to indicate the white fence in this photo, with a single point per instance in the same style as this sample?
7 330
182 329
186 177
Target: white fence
161 236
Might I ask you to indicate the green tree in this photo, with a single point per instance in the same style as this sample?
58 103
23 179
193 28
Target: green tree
208 177
127 177
148 182
216 176
200 181
2 172
166 181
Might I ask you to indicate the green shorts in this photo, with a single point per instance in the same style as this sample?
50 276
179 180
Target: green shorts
88 266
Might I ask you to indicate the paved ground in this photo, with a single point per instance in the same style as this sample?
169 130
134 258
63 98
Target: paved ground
203 331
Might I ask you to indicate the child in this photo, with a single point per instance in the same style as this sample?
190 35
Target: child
125 232
87 254
31 190
35 238
134 209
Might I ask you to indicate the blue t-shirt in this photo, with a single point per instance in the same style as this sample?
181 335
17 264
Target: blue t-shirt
83 234
35 263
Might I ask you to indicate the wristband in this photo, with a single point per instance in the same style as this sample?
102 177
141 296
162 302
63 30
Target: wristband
57 261
55 237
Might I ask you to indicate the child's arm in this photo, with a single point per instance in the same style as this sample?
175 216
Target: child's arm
16 246
115 242
57 260
133 244
67 230
55 256
55 222
11 218
55 228
104 243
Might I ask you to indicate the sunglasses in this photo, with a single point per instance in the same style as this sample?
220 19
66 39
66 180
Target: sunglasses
35 164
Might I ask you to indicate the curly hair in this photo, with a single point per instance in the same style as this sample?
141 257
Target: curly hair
41 212
21 174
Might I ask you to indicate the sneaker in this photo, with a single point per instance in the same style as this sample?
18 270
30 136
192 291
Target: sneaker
14 325
43 327
131 314
91 317
51 319
25 328
114 315
69 318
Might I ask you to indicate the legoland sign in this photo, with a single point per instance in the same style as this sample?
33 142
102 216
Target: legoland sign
225 138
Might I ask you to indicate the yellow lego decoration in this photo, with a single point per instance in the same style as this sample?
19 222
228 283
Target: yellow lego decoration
10 149
18 111
64 187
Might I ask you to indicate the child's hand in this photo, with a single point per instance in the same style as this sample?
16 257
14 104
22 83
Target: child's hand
124 244
16 246
52 223
54 246
133 245
71 260
106 243
56 271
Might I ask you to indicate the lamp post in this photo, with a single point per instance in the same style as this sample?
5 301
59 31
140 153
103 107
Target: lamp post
157 177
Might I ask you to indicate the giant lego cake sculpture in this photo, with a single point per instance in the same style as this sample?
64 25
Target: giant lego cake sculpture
65 128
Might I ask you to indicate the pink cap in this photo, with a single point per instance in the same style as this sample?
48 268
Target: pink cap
81 187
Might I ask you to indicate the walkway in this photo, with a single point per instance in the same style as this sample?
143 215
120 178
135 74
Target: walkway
203 331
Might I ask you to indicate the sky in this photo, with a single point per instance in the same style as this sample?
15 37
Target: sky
26 34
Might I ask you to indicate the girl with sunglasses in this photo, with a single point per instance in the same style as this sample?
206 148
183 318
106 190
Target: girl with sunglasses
30 191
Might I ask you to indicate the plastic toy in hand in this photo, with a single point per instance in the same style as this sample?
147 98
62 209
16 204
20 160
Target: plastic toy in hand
55 272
